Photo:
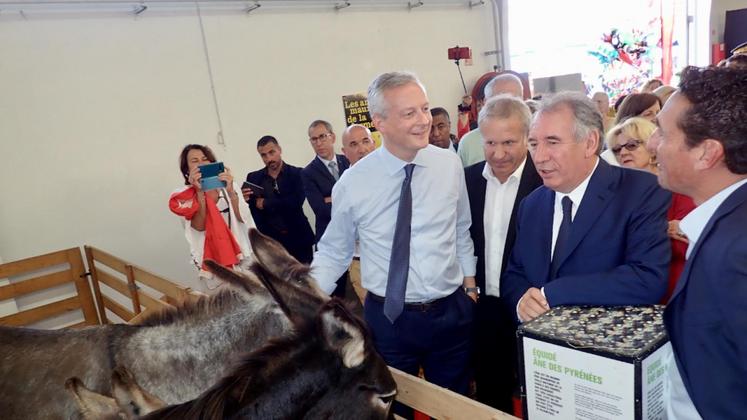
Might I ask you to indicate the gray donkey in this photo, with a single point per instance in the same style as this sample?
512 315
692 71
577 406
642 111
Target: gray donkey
324 369
175 355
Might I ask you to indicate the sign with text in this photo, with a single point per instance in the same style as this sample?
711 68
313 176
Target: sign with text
595 363
356 112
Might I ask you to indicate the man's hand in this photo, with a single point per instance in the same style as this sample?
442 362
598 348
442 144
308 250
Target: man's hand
470 282
247 193
328 200
532 305
260 203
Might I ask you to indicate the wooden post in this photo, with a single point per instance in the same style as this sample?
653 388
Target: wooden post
81 284
133 289
95 283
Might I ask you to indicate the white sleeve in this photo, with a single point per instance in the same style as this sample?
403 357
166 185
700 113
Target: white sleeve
335 248
464 247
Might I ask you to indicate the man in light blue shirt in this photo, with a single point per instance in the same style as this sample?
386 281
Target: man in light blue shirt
427 323
701 149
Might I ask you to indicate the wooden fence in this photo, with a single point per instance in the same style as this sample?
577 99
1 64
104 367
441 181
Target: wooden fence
127 280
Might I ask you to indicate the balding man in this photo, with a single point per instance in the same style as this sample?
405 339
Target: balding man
357 142
470 147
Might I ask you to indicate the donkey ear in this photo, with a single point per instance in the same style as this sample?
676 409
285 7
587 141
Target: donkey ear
343 334
243 280
274 259
91 405
130 396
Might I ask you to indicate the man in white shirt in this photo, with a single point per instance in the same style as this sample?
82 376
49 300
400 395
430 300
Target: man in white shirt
470 146
495 187
407 204
701 149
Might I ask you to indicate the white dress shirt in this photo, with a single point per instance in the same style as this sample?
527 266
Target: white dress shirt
366 201
679 404
499 203
576 196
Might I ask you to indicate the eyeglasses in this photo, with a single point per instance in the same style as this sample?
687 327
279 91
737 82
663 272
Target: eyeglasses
320 138
630 146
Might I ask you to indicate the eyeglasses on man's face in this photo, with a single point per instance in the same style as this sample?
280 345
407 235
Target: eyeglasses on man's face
630 146
320 138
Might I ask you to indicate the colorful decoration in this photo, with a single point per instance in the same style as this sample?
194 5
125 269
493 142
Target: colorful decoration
626 59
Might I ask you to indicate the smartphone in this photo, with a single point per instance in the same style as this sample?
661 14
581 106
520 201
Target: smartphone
256 189
210 174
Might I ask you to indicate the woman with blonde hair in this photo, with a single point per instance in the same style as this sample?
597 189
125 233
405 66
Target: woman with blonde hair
628 141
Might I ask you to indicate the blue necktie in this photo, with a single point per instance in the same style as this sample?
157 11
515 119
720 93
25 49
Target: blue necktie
564 233
399 262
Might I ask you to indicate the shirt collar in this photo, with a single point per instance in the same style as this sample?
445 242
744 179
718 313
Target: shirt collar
578 193
393 164
325 161
487 173
695 221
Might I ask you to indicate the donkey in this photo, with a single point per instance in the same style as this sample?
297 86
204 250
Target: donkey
325 368
176 355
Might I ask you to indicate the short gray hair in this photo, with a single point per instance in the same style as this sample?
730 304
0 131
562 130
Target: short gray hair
384 82
505 106
326 125
504 79
587 118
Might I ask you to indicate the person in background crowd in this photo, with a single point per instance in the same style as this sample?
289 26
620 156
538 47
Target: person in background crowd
663 93
629 142
470 147
602 101
593 234
644 105
277 209
320 175
652 85
357 142
701 148
407 204
440 135
495 188
214 220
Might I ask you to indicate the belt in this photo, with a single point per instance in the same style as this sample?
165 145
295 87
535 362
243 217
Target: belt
413 306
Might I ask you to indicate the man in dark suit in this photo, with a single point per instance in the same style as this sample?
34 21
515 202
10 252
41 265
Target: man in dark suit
320 175
277 209
701 148
593 234
495 187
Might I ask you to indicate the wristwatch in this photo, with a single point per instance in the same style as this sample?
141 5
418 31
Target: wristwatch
472 290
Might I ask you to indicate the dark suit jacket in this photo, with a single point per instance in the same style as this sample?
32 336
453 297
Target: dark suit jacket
618 251
317 184
476 187
287 206
706 318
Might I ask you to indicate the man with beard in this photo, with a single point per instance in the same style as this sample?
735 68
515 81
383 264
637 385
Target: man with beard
277 207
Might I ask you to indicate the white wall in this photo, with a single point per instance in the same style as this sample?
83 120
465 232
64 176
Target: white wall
94 109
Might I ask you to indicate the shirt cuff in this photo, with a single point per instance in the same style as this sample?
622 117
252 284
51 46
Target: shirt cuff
468 265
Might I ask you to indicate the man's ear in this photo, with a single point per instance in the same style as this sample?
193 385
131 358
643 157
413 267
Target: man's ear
592 144
709 154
